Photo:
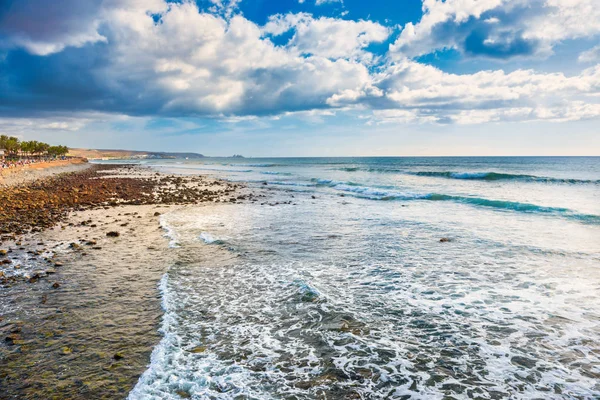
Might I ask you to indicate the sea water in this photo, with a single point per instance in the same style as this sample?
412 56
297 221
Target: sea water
337 285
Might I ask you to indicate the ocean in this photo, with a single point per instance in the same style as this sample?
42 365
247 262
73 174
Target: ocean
369 278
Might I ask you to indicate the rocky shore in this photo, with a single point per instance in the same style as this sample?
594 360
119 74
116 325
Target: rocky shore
42 204
80 258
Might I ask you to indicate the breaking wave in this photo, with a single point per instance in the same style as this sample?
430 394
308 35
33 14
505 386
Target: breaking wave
210 239
384 193
497 176
276 173
482 176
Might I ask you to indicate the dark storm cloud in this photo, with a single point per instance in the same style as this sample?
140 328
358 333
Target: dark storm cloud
48 26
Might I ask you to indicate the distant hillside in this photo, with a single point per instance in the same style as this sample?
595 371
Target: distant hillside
100 154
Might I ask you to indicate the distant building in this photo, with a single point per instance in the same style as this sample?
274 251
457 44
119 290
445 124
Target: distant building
2 154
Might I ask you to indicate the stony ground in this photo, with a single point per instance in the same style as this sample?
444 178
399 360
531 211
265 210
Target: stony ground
44 203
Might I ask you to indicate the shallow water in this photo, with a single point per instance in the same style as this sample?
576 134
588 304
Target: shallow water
91 336
351 294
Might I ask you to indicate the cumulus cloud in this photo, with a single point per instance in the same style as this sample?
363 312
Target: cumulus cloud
181 61
590 56
171 59
497 28
409 91
328 37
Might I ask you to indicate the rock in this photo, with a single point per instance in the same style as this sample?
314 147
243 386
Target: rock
523 361
66 350
198 349
113 234
50 271
75 246
56 285
118 356
183 394
445 240
156 214
35 277
3 253
58 264
13 338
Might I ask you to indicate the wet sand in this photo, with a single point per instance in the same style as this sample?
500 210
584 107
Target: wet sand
86 330
80 313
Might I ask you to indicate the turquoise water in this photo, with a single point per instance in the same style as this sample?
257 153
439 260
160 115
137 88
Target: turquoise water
337 285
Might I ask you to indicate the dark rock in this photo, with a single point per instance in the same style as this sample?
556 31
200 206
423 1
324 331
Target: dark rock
56 285
523 361
13 338
35 277
113 234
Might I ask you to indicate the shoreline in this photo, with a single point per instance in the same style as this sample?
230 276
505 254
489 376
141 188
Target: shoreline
79 303
28 173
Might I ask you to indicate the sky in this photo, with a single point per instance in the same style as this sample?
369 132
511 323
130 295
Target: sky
304 77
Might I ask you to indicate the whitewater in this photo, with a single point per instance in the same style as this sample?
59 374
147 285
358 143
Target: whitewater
371 278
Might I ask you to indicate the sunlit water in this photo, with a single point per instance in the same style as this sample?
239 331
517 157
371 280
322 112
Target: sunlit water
351 294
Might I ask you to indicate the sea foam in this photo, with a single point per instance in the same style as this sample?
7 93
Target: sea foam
169 232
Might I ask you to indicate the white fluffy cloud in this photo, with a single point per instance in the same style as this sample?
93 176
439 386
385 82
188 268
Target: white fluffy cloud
172 59
193 62
590 56
411 92
328 37
498 28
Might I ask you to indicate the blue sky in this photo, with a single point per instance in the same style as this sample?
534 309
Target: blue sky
304 78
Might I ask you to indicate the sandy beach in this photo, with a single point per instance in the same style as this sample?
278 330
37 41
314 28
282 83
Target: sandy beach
31 172
80 307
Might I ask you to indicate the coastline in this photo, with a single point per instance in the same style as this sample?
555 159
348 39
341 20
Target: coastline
30 172
80 305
